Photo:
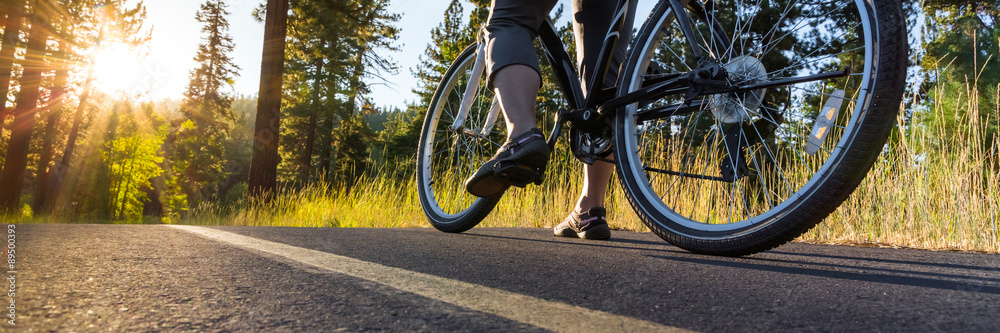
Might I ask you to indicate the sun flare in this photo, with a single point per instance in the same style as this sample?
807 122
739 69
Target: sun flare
117 69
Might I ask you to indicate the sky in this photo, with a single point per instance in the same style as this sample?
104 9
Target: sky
164 71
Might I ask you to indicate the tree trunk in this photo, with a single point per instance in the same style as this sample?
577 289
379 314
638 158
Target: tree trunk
264 162
10 34
58 172
52 121
24 113
346 174
305 161
325 145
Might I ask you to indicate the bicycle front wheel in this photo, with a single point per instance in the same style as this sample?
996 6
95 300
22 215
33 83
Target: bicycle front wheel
459 135
744 171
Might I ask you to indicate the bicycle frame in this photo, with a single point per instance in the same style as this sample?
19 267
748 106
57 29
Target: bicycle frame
565 68
704 80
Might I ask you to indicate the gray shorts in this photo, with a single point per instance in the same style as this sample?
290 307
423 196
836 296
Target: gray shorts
514 24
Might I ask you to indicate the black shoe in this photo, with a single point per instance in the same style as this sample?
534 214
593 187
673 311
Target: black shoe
519 162
590 225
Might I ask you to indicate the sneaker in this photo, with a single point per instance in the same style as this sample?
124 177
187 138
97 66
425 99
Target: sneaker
519 162
590 225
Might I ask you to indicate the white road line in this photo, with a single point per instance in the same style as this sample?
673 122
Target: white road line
549 315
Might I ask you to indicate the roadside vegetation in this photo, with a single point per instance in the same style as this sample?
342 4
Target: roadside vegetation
99 157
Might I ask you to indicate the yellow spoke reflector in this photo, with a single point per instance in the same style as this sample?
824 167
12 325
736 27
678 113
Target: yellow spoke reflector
827 116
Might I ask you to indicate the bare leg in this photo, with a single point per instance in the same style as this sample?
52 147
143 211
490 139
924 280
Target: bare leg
595 185
517 87
589 218
513 75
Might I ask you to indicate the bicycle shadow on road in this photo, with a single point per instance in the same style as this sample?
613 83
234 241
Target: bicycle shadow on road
848 268
898 261
936 274
613 243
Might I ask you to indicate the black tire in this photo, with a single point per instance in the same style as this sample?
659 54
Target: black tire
447 157
673 167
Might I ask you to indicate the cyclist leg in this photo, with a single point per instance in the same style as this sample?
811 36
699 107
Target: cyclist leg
512 64
591 21
514 75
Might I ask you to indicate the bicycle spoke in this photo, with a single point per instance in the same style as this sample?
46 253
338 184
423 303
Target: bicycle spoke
774 28
795 30
801 61
817 92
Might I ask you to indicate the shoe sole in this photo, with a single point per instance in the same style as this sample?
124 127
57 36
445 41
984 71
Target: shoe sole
528 169
599 234
593 234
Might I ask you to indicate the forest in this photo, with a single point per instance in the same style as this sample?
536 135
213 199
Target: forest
71 149
314 148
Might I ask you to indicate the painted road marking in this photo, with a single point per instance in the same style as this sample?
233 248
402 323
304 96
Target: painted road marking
555 316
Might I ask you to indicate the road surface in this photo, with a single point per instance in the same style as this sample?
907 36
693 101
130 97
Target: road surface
157 277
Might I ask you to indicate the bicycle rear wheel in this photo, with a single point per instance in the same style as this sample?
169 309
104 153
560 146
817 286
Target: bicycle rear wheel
454 144
738 173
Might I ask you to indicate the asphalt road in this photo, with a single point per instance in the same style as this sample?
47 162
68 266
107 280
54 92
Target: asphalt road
151 277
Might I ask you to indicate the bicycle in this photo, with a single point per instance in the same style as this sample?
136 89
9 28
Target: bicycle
736 126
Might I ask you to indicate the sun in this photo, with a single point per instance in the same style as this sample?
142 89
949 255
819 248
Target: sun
117 69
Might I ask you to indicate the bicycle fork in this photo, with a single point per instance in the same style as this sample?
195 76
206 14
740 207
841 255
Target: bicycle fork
468 98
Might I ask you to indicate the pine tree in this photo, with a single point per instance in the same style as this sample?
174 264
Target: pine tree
317 35
51 133
15 13
335 53
955 31
961 40
26 109
373 32
207 108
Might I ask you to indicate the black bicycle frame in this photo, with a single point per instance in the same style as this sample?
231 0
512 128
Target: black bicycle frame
565 68
604 100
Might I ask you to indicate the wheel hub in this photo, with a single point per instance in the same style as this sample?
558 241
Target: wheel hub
737 107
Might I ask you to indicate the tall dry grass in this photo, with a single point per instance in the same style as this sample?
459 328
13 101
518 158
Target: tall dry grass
391 201
934 188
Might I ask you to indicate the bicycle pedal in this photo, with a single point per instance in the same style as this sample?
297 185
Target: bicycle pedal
541 176
515 174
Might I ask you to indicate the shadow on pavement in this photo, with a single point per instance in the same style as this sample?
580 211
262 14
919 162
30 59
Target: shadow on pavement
896 261
915 278
616 243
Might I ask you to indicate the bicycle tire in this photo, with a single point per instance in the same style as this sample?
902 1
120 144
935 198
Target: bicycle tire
673 167
446 157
